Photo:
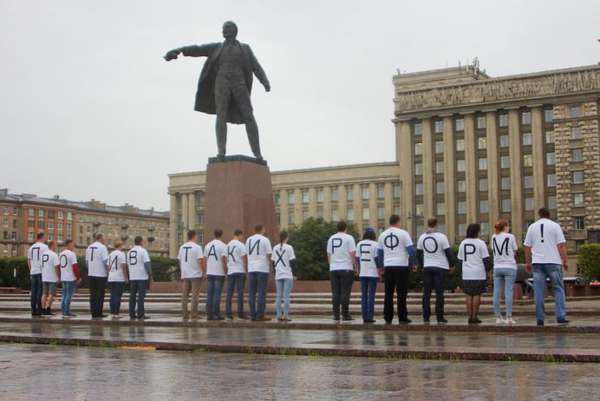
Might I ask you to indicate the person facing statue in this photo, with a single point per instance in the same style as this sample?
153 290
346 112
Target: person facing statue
225 85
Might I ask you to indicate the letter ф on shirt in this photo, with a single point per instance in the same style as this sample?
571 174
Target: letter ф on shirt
394 243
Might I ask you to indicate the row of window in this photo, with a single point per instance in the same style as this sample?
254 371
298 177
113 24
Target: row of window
365 194
350 215
52 214
8 210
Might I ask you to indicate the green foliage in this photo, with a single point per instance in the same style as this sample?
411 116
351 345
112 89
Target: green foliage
310 242
588 260
165 269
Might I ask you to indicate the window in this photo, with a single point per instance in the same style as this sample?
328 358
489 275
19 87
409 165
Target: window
440 209
418 148
462 207
528 181
438 126
579 222
366 214
482 143
350 214
578 177
462 229
483 206
460 145
480 122
60 215
396 190
291 197
439 147
41 213
365 192
30 236
397 210
459 124
485 228
461 186
527 139
305 196
578 199
483 184
548 115
381 213
526 118
439 167
504 162
277 198
549 136
504 141
483 163
349 194
577 155
529 205
440 188
418 168
575 133
551 180
527 161
334 215
460 165
503 120
320 195
550 159
575 111
418 128
506 206
419 209
334 194
552 202
419 189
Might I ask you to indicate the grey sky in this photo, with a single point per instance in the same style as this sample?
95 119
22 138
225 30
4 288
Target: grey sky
88 108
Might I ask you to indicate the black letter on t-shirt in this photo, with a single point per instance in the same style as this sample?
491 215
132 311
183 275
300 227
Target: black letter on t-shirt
45 258
471 247
280 258
435 249
335 243
503 247
92 255
212 252
362 252
253 247
187 248
230 253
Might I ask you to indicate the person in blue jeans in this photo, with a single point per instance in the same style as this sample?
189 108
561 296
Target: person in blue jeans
34 261
366 253
284 262
215 273
140 277
504 248
235 261
69 276
258 248
546 256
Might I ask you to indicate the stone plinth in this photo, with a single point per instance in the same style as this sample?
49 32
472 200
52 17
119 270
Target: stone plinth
238 195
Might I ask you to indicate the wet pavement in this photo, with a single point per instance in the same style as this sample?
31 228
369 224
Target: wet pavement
528 346
40 372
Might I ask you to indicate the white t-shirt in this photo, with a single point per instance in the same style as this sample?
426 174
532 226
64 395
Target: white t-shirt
339 248
116 260
49 263
472 251
394 242
366 251
96 257
543 236
234 252
213 251
67 259
434 245
34 254
189 257
282 256
259 252
504 247
136 258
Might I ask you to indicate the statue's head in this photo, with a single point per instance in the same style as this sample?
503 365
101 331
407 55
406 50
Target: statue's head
230 30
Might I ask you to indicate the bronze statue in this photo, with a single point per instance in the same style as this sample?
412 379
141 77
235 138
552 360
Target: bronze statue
225 84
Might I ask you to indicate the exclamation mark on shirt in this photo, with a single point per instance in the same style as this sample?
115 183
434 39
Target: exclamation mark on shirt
542 231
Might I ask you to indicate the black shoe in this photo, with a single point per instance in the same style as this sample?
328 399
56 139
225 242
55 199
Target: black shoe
36 315
477 321
336 318
132 318
426 321
347 318
471 321
145 317
540 323
562 321
405 321
388 322
442 321
44 312
369 321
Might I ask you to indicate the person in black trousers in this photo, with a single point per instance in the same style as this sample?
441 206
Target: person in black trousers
341 253
395 253
96 257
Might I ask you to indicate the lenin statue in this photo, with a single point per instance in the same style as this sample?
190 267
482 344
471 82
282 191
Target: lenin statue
225 84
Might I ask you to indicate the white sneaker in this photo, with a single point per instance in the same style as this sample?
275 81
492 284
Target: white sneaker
510 320
499 320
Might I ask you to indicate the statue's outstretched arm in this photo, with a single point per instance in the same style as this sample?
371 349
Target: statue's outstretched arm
259 72
190 51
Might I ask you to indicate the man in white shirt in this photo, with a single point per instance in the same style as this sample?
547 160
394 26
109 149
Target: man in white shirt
236 262
117 278
50 277
341 253
396 254
96 257
34 261
545 249
435 256
69 276
192 270
140 276
258 248
215 275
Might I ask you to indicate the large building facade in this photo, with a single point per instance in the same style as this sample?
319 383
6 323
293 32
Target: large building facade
469 148
22 216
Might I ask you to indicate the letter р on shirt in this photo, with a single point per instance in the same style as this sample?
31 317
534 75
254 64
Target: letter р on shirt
234 252
96 257
471 252
49 263
189 256
339 248
258 248
543 236
393 242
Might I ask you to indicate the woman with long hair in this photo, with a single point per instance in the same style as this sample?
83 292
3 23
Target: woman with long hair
284 260
504 248
475 258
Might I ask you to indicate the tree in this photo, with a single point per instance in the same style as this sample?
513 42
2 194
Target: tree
588 260
310 242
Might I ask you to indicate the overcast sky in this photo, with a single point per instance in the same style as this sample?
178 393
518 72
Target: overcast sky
89 109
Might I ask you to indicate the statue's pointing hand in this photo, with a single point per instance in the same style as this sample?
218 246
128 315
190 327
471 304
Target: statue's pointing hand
267 87
171 55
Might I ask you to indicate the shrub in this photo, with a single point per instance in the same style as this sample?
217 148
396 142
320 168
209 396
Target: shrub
588 260
165 269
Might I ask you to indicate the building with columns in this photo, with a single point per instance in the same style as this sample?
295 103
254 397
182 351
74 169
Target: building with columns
469 148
